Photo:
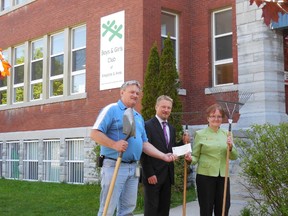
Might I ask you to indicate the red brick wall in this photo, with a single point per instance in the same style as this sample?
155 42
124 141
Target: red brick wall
142 29
46 17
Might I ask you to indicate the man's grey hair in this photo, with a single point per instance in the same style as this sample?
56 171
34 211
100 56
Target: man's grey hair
164 97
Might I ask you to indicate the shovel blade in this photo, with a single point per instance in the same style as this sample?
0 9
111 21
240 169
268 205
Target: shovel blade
128 123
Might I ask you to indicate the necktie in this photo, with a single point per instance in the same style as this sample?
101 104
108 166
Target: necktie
165 133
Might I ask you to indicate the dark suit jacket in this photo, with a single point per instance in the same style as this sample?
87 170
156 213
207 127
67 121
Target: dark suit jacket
152 166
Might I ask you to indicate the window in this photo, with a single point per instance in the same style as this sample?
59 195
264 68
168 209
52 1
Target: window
30 161
285 50
51 160
5 4
222 47
169 26
18 74
56 64
1 159
3 86
20 1
54 70
78 59
11 4
12 161
75 160
36 70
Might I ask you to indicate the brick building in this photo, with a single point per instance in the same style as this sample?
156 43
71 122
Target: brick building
69 59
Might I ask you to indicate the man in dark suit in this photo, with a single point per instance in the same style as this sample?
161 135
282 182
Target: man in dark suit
157 175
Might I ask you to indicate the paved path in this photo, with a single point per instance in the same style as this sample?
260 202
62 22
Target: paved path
192 209
238 197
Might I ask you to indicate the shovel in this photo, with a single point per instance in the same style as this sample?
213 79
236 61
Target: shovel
129 130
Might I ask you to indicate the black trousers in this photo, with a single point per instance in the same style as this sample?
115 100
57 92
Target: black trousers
157 198
210 192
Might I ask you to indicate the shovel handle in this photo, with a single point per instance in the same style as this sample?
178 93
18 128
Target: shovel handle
111 188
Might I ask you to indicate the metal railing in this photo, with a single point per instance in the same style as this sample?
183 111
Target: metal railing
30 160
12 161
75 160
51 160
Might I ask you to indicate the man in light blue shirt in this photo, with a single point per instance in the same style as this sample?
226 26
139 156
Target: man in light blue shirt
108 132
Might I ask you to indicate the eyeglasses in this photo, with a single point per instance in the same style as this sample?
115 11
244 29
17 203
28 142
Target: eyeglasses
130 82
215 117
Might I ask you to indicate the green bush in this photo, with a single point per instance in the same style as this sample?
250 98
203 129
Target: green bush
264 160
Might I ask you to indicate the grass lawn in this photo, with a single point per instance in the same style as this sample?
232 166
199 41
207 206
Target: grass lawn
23 198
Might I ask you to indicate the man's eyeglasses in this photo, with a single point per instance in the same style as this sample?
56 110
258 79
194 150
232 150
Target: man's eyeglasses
215 117
131 82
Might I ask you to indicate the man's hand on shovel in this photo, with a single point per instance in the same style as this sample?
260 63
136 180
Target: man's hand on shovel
121 146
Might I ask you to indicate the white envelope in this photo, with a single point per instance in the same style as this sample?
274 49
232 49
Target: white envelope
182 150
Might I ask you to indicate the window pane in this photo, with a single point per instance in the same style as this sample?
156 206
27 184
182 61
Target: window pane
30 162
52 160
223 47
18 94
12 161
173 42
79 60
57 65
20 1
3 83
19 55
286 51
5 4
79 37
19 74
36 70
56 87
3 97
224 74
37 50
168 24
223 22
57 44
78 83
36 92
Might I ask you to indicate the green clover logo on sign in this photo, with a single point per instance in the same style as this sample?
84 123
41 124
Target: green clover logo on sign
112 28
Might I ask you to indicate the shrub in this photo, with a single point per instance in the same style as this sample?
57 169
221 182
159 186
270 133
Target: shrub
264 160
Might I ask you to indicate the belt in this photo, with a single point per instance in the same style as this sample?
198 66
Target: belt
128 162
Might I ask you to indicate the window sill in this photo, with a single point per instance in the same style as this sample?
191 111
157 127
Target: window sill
43 102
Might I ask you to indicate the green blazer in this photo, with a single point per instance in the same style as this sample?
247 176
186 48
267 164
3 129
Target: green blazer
209 152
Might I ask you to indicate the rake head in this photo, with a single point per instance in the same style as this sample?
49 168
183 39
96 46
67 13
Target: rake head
231 100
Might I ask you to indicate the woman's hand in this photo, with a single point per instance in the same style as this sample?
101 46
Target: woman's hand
230 142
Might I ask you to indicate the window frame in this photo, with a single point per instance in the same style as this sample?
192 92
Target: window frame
66 77
4 88
30 160
173 38
53 78
74 160
226 61
36 81
77 72
51 159
12 162
18 85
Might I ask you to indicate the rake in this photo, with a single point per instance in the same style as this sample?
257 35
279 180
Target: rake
231 102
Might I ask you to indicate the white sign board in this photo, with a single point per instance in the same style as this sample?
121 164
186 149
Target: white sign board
112 37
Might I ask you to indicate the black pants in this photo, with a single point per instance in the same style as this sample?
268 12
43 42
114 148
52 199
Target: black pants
210 192
157 198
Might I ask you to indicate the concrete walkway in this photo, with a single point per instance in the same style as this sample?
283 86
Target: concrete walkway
192 209
239 197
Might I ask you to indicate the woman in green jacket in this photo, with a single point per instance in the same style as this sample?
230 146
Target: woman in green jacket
209 152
